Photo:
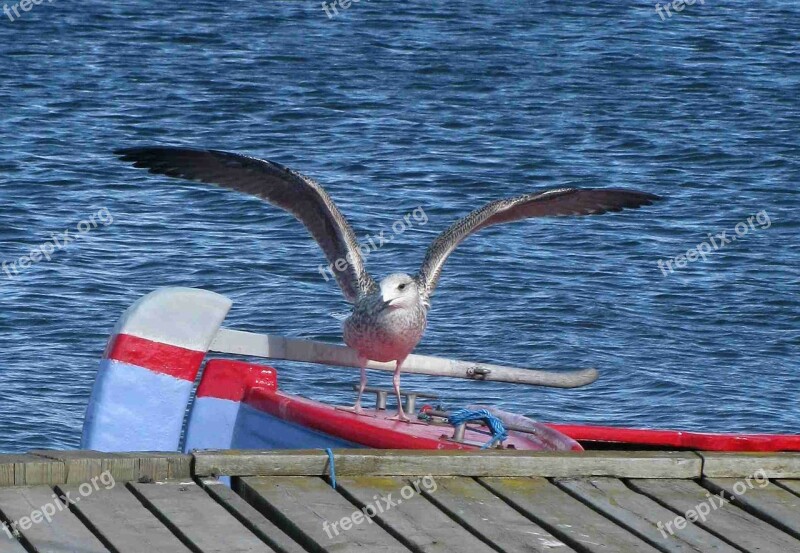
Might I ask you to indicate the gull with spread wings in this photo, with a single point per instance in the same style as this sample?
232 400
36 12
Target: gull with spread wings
389 317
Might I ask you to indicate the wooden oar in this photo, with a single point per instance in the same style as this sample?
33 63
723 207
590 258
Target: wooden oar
309 351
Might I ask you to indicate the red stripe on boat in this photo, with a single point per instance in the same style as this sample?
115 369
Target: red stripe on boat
368 431
225 379
160 358
679 439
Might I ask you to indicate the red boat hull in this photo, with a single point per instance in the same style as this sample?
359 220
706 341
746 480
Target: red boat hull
376 431
602 437
373 428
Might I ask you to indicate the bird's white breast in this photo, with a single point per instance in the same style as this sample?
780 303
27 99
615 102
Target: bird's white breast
388 335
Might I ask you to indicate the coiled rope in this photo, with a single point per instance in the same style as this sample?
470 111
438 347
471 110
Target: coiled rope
463 416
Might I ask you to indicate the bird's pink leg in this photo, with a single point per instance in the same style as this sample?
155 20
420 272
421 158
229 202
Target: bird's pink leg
357 407
362 385
400 416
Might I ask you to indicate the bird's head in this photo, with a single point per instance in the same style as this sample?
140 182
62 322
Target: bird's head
399 290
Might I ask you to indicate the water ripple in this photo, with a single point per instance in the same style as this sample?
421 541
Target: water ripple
405 105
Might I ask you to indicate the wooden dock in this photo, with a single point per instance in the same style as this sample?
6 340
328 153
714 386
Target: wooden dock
399 501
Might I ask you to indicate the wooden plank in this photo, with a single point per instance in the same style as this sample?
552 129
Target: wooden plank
122 520
644 517
779 507
716 515
791 485
31 507
20 470
740 465
308 508
472 504
377 462
475 507
83 465
198 520
8 468
164 466
251 518
8 542
399 507
565 517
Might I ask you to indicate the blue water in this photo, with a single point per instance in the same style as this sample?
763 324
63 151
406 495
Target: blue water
431 104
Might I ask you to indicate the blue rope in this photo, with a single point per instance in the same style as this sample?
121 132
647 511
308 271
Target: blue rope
495 425
332 466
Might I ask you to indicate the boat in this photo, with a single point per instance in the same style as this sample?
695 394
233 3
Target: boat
161 386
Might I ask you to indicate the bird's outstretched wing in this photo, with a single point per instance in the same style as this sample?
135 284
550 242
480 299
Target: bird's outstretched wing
549 203
280 186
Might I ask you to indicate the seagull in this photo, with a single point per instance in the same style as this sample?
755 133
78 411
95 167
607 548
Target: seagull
388 318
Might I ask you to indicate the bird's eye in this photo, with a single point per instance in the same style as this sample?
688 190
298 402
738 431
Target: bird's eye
401 287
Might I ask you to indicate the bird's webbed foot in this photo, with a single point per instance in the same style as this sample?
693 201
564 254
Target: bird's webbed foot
357 409
400 416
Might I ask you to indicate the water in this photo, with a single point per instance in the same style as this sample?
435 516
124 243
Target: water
400 105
